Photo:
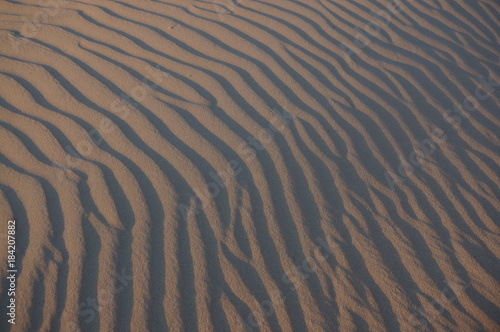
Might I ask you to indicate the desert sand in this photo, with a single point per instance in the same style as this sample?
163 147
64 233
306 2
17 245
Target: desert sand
326 165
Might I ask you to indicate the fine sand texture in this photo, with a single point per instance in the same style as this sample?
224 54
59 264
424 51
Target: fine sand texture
250 165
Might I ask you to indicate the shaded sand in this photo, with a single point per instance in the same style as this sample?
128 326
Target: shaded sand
325 165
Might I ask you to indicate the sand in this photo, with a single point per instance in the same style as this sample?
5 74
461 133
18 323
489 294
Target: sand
326 165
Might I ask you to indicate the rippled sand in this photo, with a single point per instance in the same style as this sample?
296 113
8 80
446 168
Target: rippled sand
326 165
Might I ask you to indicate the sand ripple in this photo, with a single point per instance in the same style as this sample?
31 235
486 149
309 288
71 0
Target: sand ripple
325 165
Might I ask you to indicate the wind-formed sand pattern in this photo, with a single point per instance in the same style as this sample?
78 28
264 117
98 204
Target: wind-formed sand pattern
300 165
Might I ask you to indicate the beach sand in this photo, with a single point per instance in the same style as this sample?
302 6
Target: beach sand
327 165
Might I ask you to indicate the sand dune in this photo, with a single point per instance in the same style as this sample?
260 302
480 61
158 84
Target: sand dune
325 165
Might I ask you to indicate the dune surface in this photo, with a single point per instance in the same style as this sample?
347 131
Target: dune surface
252 165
